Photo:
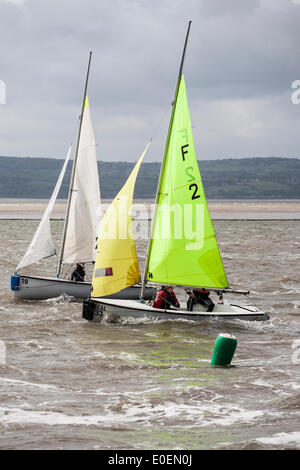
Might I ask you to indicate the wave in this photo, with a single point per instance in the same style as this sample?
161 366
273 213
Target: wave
282 439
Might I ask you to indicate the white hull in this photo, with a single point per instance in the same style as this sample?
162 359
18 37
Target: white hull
113 309
42 288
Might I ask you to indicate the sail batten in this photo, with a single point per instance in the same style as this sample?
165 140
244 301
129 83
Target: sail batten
183 248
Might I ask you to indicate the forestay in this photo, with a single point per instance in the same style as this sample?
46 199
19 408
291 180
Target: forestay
183 249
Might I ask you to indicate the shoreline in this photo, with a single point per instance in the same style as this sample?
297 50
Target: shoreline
219 209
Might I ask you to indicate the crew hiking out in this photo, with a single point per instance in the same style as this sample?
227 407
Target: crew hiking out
200 296
165 298
78 273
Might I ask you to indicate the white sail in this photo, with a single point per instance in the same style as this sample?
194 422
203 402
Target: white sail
42 245
85 204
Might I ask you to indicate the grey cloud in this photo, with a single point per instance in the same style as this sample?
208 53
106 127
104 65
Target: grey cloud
229 7
239 50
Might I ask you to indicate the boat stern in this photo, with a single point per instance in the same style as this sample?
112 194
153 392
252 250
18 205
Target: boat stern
92 311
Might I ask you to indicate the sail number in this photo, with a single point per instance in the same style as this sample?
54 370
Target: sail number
195 186
188 171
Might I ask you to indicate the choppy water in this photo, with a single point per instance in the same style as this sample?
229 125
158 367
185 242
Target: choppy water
69 384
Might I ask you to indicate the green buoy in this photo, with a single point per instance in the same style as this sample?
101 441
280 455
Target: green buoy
224 350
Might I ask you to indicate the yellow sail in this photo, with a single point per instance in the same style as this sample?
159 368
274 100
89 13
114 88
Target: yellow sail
116 265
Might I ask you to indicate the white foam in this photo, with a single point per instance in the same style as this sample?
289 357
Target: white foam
128 356
294 385
30 384
201 415
282 438
9 416
143 413
98 354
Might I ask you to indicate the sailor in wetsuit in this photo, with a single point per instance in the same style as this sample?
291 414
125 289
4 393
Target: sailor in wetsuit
165 298
78 273
200 296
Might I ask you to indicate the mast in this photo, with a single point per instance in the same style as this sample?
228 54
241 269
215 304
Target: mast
73 172
164 159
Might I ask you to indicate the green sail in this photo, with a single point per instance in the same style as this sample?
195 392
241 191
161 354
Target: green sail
183 249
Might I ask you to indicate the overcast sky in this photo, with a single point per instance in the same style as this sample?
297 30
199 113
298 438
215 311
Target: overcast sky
241 61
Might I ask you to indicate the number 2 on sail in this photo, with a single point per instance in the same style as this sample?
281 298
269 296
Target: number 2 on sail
195 195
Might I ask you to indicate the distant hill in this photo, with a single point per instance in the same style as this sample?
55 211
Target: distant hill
245 178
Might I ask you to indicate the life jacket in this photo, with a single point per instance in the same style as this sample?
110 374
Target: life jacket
165 299
171 299
201 294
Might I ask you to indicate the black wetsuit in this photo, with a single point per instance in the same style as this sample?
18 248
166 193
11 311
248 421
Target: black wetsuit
200 297
78 274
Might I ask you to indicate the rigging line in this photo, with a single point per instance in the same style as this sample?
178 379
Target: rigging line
159 125
71 145
74 167
164 159
74 132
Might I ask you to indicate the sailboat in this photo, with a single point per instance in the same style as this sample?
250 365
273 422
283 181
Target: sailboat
182 249
82 218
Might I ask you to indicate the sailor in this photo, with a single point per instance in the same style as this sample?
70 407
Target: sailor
200 296
78 273
165 298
